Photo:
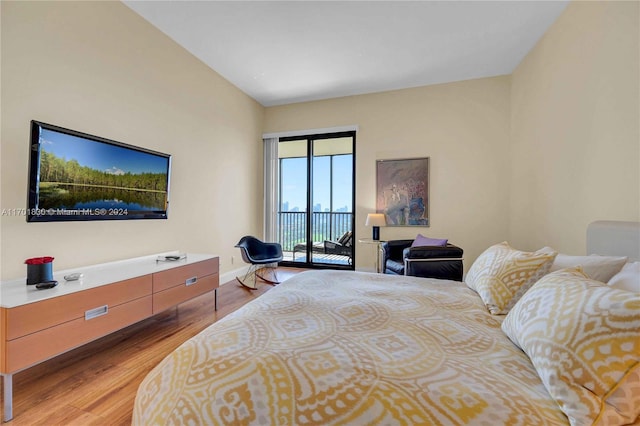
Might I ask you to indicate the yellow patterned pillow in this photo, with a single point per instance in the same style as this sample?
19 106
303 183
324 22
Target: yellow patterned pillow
583 339
502 274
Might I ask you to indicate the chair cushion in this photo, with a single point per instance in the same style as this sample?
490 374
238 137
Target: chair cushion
316 247
348 242
345 237
431 252
395 267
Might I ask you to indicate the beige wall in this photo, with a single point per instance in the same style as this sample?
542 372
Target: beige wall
99 68
463 127
531 158
575 135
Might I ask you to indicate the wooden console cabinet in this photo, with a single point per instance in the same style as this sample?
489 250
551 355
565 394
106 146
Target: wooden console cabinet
36 325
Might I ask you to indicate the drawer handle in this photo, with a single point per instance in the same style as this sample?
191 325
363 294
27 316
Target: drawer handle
191 281
96 312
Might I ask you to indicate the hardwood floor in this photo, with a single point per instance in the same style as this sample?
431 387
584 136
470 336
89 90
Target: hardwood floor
96 383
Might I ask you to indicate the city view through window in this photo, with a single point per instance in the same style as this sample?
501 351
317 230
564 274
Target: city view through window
332 203
325 197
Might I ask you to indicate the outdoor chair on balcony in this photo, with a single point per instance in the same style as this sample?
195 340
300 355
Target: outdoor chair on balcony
263 259
342 247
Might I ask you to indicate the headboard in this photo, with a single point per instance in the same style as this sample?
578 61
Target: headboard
613 238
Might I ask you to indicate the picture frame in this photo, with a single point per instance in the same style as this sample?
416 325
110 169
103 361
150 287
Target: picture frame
402 191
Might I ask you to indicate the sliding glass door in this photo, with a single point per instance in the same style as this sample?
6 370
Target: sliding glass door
315 207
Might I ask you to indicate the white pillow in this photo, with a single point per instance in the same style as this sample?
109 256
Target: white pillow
599 268
628 278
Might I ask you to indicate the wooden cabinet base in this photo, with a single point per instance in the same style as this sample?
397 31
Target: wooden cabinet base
34 331
168 298
37 347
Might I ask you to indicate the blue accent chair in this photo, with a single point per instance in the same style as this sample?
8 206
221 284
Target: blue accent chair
263 259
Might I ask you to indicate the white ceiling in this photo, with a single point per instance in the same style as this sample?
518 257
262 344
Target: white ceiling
281 52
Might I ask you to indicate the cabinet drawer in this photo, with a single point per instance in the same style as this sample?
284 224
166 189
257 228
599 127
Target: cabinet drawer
178 276
171 297
26 319
37 347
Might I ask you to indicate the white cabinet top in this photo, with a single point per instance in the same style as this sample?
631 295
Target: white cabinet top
16 292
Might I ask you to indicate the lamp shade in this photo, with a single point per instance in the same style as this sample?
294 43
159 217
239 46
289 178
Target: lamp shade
376 219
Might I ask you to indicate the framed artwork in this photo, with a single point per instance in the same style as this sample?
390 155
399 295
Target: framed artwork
402 191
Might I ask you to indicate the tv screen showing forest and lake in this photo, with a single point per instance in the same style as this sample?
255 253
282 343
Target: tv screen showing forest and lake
77 176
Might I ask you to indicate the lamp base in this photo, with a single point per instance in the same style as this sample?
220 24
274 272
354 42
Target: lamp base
376 233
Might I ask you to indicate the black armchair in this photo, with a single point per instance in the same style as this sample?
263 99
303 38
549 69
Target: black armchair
443 262
392 255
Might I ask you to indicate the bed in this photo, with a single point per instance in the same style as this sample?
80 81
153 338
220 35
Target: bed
336 347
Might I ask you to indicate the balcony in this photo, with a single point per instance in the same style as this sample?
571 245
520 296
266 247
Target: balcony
326 226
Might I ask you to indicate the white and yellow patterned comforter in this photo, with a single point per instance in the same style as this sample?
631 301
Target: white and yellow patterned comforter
329 347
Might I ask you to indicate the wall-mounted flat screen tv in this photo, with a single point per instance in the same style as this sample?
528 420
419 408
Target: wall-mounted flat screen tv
77 176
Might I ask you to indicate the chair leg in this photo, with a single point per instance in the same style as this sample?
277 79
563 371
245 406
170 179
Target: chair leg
249 279
269 274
